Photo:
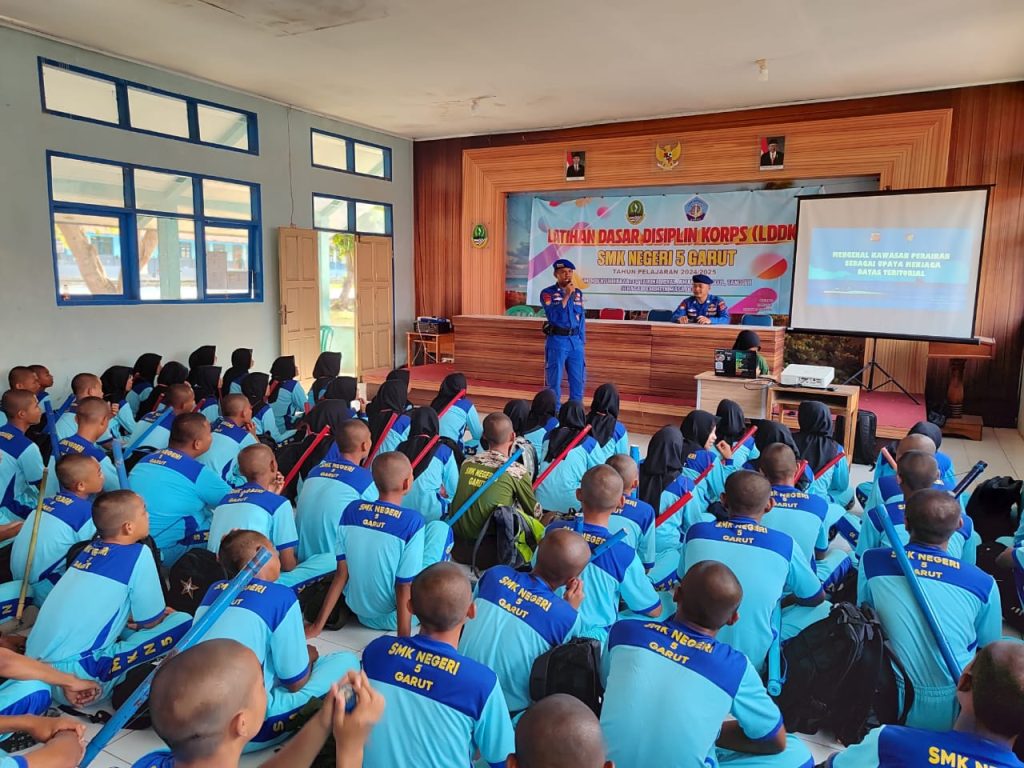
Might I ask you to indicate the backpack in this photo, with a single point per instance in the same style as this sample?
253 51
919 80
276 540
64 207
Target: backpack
1009 582
311 601
504 527
190 578
863 437
571 668
991 507
839 675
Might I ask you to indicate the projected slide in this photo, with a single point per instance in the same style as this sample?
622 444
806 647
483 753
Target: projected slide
903 264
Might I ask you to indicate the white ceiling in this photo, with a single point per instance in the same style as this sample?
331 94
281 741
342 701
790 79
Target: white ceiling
432 68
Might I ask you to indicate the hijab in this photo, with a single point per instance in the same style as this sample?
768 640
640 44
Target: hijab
451 386
171 374
327 368
696 429
518 412
326 413
205 381
814 440
663 464
146 367
571 421
542 410
390 399
344 388
731 421
115 383
771 432
241 362
399 374
424 425
604 413
282 370
254 387
747 339
206 355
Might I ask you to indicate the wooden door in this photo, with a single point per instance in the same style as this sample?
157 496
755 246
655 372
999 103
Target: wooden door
299 309
375 323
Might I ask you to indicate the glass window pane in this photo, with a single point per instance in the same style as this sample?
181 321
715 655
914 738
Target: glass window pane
88 255
371 218
227 260
330 213
165 192
369 160
329 151
223 126
224 200
81 181
79 94
158 113
167 258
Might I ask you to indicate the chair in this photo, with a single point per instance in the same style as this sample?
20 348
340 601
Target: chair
659 316
756 320
326 337
612 314
519 310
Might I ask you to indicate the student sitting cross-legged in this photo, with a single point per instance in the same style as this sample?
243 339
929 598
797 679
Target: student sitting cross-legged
83 385
209 701
603 418
144 375
388 407
92 417
542 419
107 613
559 731
21 463
45 379
460 414
636 517
153 430
671 686
231 433
442 707
558 491
520 616
287 398
325 370
116 382
436 476
241 363
381 547
266 618
886 484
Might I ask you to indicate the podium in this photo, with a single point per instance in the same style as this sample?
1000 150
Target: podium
959 424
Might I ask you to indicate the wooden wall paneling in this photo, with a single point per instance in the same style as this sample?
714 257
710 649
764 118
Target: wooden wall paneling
438 205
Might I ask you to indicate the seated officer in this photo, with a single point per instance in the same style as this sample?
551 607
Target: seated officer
232 432
267 620
636 516
83 385
154 429
559 731
768 563
990 694
671 686
180 493
964 597
92 417
616 574
67 520
331 486
83 628
442 707
21 463
702 307
520 616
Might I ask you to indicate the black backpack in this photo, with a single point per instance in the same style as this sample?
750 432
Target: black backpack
839 675
190 578
995 507
311 601
864 437
501 531
571 668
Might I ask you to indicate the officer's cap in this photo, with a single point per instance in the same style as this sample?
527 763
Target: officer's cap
703 279
564 264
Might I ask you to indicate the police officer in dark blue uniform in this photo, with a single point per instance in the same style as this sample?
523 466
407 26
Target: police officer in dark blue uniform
566 332
703 307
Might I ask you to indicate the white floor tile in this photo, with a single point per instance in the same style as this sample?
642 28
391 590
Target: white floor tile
136 744
354 636
107 760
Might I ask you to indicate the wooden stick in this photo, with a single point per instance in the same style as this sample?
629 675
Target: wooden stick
32 546
558 460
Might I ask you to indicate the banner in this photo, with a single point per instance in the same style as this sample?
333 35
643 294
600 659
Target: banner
638 253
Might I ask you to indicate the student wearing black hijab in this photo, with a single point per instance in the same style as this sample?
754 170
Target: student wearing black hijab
116 382
205 355
145 371
542 418
346 389
436 477
327 368
558 491
732 425
769 432
817 447
326 413
748 341
287 398
518 412
461 415
254 387
608 431
389 401
704 454
241 362
171 374
205 381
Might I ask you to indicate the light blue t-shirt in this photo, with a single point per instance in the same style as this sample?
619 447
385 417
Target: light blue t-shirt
89 607
158 436
518 618
326 492
266 619
538 435
617 443
254 508
801 516
67 520
383 546
670 534
767 563
122 424
265 423
210 408
442 471
835 481
558 491
886 487
228 441
656 668
76 444
963 544
21 470
289 406
894 746
67 424
138 394
397 435
180 495
636 518
462 416
442 706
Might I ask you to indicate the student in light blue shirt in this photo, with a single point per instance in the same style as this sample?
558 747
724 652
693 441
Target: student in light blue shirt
154 429
83 385
287 398
267 620
231 434
66 520
116 382
542 419
818 448
605 427
241 363
884 487
21 464
381 548
388 407
731 426
768 563
558 491
144 374
331 486
704 454
82 629
559 731
205 381
93 418
436 476
45 379
442 707
683 667
520 616
456 411
326 369
636 517
615 575
180 493
255 387
965 599
990 694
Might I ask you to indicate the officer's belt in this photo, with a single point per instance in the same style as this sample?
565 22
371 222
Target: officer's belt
556 331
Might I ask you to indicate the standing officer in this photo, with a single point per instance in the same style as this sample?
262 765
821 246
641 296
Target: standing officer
565 331
702 307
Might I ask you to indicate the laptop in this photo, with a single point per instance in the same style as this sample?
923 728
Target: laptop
736 363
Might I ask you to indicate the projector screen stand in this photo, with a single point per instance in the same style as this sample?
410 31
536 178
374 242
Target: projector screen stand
870 367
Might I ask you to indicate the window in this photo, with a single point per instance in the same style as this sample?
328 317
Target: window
340 153
124 234
93 96
340 214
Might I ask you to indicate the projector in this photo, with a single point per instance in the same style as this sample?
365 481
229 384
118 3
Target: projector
816 376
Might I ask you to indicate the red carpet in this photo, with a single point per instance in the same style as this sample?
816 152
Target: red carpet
895 411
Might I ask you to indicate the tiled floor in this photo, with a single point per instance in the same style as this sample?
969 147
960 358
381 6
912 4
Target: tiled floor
1003 449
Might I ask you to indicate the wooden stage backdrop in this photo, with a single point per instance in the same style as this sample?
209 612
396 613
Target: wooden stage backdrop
941 138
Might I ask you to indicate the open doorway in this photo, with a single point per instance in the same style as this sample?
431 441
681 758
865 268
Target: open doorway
337 254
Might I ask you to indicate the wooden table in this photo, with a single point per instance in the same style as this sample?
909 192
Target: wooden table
750 394
437 347
958 354
842 400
